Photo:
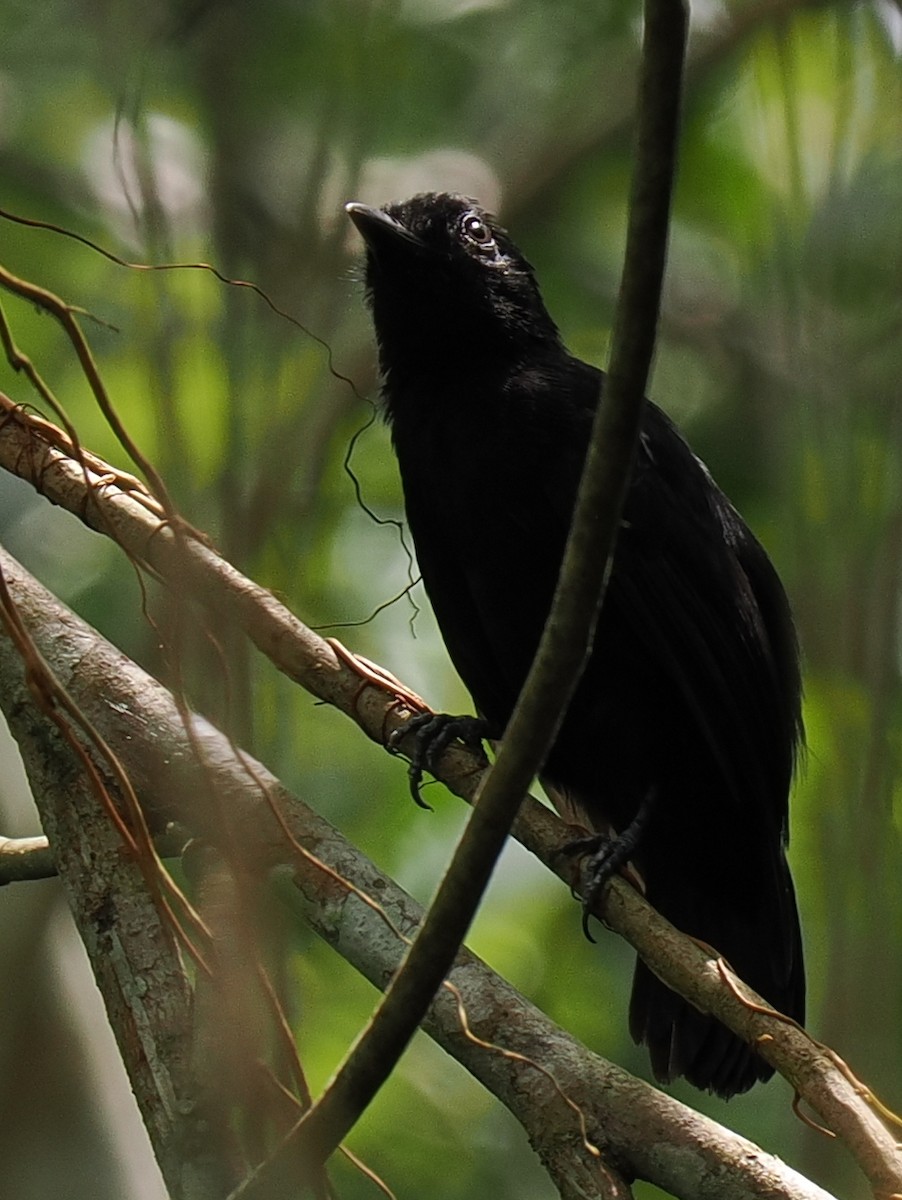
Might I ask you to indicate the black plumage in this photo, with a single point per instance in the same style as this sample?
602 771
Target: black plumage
692 690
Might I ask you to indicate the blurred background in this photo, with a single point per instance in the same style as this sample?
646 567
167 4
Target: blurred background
233 133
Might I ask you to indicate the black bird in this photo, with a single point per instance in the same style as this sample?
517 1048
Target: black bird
692 690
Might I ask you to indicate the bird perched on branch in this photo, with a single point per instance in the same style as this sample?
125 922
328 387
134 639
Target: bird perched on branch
685 727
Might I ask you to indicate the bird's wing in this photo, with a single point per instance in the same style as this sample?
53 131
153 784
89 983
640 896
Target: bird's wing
694 600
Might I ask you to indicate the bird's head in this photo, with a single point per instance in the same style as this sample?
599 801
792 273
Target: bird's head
447 286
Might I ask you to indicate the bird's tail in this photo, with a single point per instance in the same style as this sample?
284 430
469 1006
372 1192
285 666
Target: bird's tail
751 919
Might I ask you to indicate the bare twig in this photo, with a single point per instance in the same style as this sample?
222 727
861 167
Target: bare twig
67 317
25 858
28 858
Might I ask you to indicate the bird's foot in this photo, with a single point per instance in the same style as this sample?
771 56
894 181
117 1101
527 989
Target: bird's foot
605 854
432 734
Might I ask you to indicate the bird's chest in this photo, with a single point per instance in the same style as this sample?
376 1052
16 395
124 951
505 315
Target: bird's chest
473 479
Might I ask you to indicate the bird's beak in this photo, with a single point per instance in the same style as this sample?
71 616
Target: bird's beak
378 229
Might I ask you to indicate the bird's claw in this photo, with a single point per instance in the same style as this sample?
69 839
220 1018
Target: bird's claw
606 854
432 734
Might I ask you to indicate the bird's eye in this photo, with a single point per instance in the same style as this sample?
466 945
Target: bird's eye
476 231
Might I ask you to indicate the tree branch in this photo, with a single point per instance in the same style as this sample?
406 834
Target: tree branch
634 1126
133 954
